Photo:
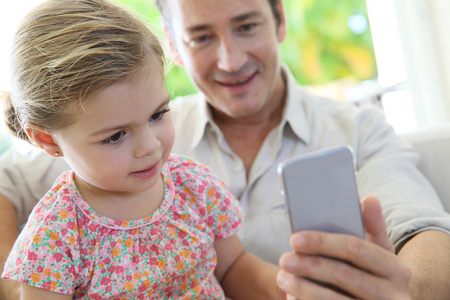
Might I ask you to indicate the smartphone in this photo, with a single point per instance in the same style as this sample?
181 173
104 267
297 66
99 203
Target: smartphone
321 192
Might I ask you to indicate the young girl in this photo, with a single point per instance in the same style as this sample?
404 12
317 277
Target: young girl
130 221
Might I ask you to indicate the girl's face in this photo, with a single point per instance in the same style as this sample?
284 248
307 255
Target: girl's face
121 139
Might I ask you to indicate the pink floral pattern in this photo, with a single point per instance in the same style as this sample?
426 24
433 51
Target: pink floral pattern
68 248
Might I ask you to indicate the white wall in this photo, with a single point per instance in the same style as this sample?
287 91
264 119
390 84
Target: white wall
441 10
412 44
11 13
424 28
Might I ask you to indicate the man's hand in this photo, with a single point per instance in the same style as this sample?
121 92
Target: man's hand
365 269
9 290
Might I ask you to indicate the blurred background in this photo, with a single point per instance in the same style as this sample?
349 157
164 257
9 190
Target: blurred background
388 53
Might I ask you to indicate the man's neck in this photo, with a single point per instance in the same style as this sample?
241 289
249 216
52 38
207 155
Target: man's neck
246 135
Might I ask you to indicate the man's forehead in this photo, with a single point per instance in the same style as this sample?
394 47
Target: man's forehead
235 19
195 14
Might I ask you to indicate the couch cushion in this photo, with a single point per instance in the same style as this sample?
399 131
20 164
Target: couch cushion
433 145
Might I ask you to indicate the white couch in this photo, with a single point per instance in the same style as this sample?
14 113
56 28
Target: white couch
433 145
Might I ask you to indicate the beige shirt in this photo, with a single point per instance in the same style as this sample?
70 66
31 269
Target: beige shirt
386 167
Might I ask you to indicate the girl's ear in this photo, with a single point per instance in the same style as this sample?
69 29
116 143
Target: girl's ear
173 51
43 140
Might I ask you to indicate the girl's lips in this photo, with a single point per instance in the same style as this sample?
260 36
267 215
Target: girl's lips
148 172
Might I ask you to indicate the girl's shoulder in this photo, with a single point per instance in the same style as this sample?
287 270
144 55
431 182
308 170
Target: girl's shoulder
55 210
189 174
201 193
57 199
191 168
46 240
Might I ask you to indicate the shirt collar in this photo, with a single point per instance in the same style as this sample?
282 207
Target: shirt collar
293 113
294 109
202 115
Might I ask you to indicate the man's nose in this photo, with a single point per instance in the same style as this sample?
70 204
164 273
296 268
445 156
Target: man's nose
230 55
146 143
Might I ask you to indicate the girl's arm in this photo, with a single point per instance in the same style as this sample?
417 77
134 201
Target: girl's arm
243 275
29 292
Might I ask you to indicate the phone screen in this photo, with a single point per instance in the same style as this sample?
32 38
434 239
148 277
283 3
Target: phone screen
321 192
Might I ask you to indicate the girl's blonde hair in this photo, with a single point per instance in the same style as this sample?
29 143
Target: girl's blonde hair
67 50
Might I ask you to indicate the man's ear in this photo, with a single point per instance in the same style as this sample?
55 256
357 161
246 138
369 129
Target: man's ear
282 28
173 51
43 139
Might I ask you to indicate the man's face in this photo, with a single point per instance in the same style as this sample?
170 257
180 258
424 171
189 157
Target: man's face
230 49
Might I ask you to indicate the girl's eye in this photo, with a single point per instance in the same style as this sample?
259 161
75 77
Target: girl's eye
159 115
115 138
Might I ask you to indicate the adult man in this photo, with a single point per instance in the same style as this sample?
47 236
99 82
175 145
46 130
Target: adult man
251 115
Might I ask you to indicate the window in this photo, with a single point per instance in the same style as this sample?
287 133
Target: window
9 21
333 49
328 46
411 46
327 41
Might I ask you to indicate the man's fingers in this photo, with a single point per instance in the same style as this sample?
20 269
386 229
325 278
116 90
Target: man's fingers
301 288
362 254
348 279
367 269
374 223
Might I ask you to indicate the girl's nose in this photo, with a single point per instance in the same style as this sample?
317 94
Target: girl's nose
146 143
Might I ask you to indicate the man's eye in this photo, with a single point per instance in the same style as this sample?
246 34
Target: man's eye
247 27
115 138
159 115
199 40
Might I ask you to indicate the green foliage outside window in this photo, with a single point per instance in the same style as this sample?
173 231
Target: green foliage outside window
320 46
327 40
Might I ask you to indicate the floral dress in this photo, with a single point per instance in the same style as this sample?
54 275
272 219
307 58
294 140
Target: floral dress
66 247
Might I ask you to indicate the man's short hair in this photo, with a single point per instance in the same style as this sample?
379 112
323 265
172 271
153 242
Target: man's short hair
163 9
